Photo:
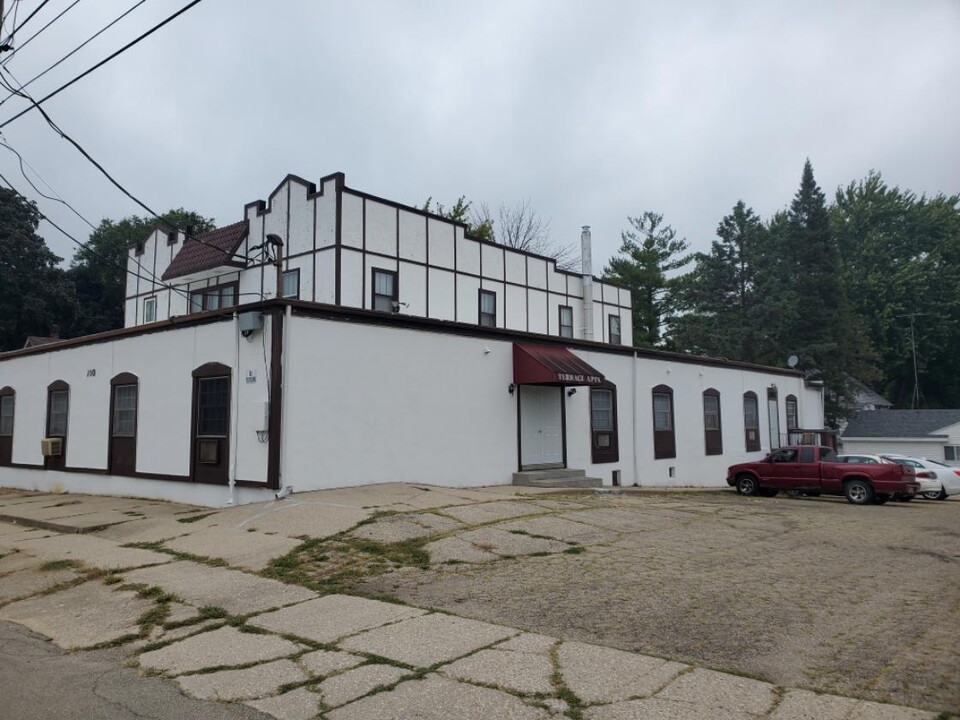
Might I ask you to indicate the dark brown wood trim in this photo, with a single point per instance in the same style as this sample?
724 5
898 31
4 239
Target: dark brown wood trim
7 390
212 369
664 441
124 378
363 252
57 462
563 421
713 439
313 262
275 421
338 235
754 444
610 454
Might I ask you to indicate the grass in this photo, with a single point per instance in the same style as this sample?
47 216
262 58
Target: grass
194 518
334 564
157 546
51 565
574 550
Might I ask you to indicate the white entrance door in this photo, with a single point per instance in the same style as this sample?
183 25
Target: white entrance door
541 426
773 415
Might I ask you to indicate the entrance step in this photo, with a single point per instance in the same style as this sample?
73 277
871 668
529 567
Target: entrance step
560 478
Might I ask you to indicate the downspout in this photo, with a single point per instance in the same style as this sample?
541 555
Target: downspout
235 411
633 406
586 269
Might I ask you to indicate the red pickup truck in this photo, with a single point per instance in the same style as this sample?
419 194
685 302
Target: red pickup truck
813 470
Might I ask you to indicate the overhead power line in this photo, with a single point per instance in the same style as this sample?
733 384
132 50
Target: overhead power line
76 49
28 19
93 252
28 40
148 33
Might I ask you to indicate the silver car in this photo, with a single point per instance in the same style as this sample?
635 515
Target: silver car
946 479
928 483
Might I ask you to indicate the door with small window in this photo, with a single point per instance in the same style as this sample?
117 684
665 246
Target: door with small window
210 459
604 446
124 391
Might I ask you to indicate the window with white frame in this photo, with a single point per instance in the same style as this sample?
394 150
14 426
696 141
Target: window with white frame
149 309
57 417
792 416
566 321
291 283
951 453
384 289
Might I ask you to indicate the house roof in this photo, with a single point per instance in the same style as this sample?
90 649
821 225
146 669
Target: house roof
207 251
900 423
37 340
863 395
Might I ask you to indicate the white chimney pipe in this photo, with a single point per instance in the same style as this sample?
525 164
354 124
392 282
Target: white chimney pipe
586 268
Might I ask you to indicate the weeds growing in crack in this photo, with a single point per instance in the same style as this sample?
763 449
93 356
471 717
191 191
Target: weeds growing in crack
52 565
157 546
195 518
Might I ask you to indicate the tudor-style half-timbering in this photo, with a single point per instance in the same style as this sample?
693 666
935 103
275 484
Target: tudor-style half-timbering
341 246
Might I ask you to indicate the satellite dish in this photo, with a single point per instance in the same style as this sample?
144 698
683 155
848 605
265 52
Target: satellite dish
792 361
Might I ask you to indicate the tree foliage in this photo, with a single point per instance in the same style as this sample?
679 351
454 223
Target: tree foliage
899 256
522 228
649 253
98 270
460 212
35 295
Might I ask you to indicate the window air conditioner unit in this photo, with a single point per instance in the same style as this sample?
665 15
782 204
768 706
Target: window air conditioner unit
51 447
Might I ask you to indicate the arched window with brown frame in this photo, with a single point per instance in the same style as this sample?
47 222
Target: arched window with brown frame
210 447
712 428
664 436
124 401
751 421
58 417
8 401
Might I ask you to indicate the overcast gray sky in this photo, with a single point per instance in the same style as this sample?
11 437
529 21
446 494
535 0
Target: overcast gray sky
592 111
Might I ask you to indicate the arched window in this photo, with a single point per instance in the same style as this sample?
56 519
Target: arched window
58 416
664 437
751 421
712 430
793 421
8 399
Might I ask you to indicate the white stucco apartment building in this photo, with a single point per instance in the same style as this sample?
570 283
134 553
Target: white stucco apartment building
400 348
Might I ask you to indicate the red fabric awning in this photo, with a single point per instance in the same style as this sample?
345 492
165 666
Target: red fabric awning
548 365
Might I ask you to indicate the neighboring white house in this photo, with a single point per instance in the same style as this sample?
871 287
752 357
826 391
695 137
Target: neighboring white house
933 434
402 349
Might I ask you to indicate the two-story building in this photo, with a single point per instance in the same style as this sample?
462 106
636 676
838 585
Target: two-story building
336 338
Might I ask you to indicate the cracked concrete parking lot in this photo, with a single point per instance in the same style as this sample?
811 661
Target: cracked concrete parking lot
811 593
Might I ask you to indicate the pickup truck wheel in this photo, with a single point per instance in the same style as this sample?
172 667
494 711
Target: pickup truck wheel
747 485
858 492
880 499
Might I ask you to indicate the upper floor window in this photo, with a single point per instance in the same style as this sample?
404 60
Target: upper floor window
385 291
664 440
613 328
488 308
291 283
792 422
566 321
214 297
713 433
751 421
150 309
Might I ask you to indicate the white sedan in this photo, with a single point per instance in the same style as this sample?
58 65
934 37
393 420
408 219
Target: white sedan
946 478
929 485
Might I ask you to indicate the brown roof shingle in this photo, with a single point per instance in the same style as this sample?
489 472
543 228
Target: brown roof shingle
207 251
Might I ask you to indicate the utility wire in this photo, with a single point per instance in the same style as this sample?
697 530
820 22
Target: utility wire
103 170
77 48
29 18
38 103
86 247
27 41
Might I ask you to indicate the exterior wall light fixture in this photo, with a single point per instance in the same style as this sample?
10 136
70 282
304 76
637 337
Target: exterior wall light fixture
512 388
571 392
